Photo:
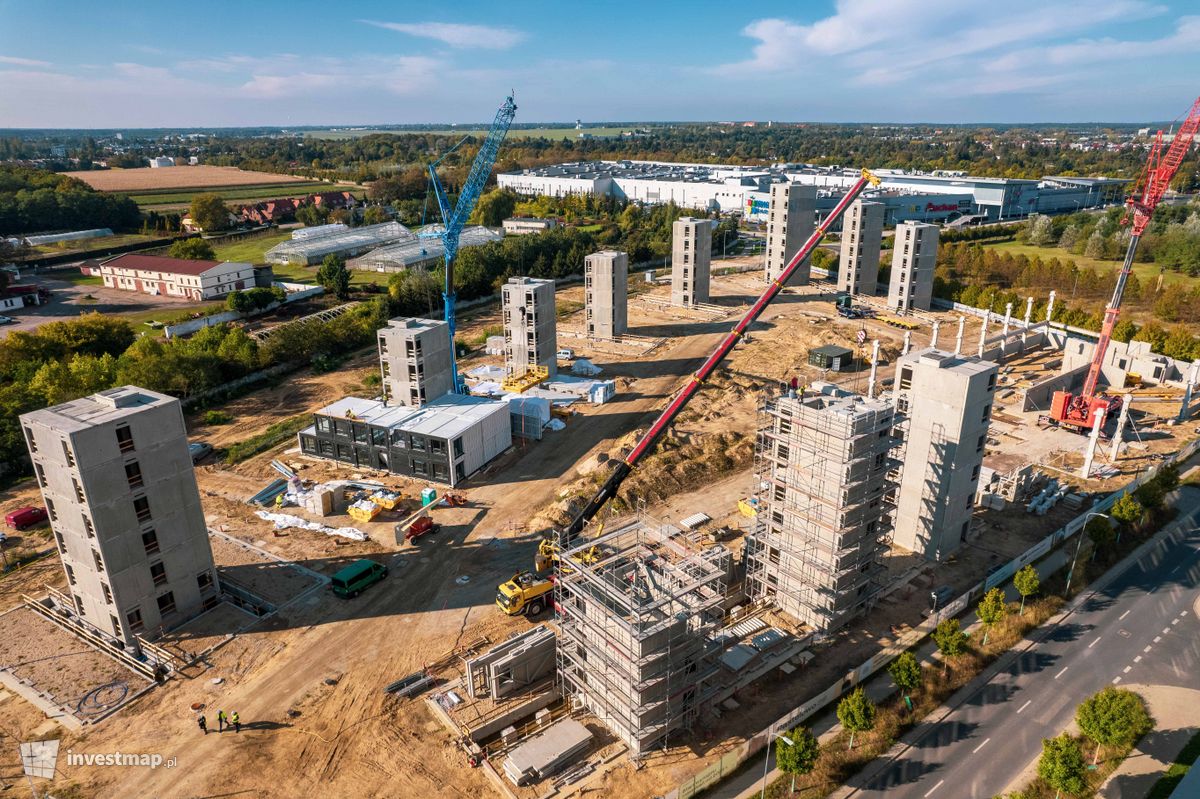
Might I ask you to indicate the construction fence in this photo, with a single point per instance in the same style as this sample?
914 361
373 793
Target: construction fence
733 760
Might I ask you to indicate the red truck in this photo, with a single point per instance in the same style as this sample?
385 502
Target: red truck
23 518
422 526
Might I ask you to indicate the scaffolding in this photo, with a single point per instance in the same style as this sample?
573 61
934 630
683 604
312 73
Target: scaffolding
636 643
826 471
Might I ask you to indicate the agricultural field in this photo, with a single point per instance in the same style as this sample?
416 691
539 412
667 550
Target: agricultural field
84 246
525 133
135 181
1147 272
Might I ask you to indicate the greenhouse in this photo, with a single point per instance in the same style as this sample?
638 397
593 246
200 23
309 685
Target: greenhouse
420 253
348 243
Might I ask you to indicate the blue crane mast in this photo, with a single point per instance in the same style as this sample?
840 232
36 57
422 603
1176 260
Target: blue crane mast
454 221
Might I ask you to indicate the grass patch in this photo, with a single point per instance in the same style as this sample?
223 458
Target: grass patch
486 333
1147 273
88 245
1174 775
590 228
273 436
75 277
216 417
168 316
250 249
295 273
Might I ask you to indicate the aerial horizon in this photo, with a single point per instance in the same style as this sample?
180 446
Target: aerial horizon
851 61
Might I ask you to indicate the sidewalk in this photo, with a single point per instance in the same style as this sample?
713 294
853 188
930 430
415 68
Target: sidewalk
878 688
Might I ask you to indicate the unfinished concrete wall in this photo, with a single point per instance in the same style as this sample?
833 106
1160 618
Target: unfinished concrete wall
530 324
414 361
947 404
790 222
521 662
606 294
862 241
118 483
822 524
691 259
914 256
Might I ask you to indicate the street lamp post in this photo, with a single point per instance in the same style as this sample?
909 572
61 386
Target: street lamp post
771 738
1071 571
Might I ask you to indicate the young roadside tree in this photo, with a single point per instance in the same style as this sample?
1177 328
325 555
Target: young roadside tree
1027 583
1127 510
1168 477
334 277
1100 530
1113 717
950 639
1061 765
800 756
906 671
192 250
209 212
991 611
856 712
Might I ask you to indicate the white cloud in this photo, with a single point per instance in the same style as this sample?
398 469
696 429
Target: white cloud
456 35
22 62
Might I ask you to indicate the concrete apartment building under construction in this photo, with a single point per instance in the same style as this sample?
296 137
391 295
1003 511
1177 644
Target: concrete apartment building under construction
635 640
606 294
530 325
862 240
824 462
914 256
691 259
117 480
946 401
414 361
790 221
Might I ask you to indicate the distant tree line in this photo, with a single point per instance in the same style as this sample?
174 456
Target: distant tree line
33 200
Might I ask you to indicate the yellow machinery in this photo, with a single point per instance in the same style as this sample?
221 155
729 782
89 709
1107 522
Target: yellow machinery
525 594
532 376
547 556
903 324
748 507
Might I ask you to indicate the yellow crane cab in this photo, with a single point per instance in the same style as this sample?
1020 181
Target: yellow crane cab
526 593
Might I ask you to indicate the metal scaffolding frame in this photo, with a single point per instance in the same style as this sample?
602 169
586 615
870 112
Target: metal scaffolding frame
636 643
826 475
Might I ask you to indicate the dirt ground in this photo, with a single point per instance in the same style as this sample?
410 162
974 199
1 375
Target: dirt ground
310 680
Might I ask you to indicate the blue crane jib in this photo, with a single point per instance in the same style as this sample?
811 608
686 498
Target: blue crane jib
453 221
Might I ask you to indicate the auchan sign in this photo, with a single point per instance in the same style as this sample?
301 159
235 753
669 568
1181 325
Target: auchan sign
933 208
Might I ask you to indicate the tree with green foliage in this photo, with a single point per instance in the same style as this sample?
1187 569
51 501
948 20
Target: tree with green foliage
1101 533
375 215
1127 510
1027 583
494 207
906 672
991 611
209 212
1113 717
334 277
1041 231
1167 477
950 639
311 215
193 249
237 301
1150 495
1062 766
799 756
856 712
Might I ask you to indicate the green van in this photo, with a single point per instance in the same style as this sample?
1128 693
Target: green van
351 580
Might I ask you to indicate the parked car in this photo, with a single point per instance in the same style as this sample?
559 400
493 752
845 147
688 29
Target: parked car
23 518
351 580
7 320
566 354
199 450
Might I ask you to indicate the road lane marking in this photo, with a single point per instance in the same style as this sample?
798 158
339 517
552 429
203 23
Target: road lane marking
976 749
1093 643
934 788
1027 701
1061 673
1137 659
1181 615
1123 615
1174 622
1166 630
1147 649
1157 638
1116 680
1128 669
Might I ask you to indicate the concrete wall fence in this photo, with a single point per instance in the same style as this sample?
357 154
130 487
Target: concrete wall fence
733 760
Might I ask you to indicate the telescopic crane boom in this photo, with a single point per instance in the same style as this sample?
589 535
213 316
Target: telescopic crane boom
651 437
1163 163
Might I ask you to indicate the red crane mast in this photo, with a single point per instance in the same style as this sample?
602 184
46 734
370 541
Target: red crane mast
1162 164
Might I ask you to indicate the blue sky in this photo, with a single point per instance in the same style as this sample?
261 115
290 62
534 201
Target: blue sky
124 64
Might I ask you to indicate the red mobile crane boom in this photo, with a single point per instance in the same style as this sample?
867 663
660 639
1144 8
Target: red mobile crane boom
1079 410
609 489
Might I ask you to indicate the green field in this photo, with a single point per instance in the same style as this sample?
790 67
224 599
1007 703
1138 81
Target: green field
168 316
240 193
525 133
1147 273
294 273
89 245
250 249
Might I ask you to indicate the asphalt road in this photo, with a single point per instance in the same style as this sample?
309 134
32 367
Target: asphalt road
1140 629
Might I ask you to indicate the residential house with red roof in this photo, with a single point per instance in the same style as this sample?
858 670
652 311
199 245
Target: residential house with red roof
176 277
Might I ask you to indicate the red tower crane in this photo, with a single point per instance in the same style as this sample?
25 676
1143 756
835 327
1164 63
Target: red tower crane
1079 410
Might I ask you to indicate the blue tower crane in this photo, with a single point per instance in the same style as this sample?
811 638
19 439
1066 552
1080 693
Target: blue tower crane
454 221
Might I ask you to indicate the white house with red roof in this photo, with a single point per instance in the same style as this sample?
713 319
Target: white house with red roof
176 277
